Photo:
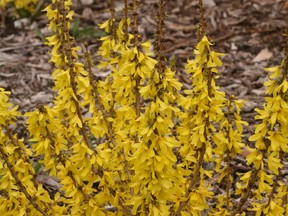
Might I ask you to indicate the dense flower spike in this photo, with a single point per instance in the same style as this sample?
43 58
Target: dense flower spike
202 110
270 136
61 132
117 97
229 143
20 191
154 158
271 143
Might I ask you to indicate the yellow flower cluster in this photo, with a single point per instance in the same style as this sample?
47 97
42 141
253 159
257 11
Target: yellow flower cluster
28 5
153 157
202 106
20 191
229 144
60 132
271 145
131 63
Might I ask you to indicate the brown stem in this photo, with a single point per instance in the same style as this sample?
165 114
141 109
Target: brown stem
125 25
271 194
96 95
21 153
160 37
112 24
203 148
228 185
245 197
71 59
194 179
284 200
202 25
63 162
136 41
209 81
228 182
20 185
275 183
70 174
135 23
138 96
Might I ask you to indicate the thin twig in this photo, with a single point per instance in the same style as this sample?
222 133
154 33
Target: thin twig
245 197
20 185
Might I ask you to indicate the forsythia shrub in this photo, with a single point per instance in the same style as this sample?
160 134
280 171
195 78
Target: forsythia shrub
136 143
